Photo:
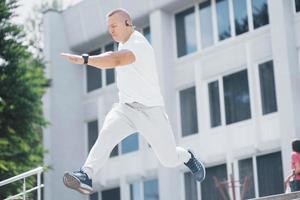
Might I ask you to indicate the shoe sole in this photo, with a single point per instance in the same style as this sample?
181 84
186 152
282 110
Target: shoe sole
75 184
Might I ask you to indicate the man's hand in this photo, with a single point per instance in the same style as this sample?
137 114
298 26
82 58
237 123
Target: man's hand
75 59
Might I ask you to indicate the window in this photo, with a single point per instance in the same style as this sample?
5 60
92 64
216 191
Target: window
94 75
270 174
297 4
205 11
240 16
130 143
246 177
115 151
94 196
188 111
147 33
214 104
267 87
190 186
223 19
236 97
92 133
147 190
214 185
260 13
135 191
151 190
110 73
111 194
186 32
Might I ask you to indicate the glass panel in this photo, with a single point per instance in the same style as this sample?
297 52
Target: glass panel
206 27
240 16
297 3
94 196
270 174
247 189
214 104
115 151
151 190
260 13
135 191
130 143
188 111
236 96
147 33
267 87
110 73
111 194
92 133
94 75
186 32
214 187
223 19
190 187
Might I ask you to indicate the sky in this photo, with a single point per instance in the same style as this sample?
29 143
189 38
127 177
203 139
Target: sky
26 6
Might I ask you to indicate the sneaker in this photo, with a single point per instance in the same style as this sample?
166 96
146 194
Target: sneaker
196 166
78 181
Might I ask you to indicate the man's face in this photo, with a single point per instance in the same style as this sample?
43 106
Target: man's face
116 27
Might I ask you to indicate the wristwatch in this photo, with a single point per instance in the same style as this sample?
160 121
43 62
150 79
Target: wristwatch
85 57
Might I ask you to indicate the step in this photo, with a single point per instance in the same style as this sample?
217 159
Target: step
287 196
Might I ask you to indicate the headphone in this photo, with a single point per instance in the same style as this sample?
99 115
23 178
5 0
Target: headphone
127 24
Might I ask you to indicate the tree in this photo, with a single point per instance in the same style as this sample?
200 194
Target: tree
22 85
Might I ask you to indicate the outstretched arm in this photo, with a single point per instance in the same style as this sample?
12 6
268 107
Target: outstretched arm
104 60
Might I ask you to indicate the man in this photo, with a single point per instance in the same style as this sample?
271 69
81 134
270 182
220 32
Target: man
140 108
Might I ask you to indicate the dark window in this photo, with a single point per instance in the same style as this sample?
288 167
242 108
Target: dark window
267 87
214 104
223 19
247 189
240 16
115 151
151 190
147 33
270 174
206 25
110 73
186 32
190 187
94 75
130 143
236 95
214 186
260 13
94 196
92 133
188 111
111 194
297 3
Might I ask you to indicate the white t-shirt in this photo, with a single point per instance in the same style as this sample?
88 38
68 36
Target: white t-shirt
138 82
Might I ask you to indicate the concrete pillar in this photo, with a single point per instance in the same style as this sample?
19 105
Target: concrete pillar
287 74
63 137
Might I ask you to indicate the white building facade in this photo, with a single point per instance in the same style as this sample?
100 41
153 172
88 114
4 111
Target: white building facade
230 76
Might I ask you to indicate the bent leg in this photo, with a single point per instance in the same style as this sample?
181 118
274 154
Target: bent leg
116 127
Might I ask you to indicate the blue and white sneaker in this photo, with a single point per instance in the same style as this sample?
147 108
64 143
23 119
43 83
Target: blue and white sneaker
196 166
79 181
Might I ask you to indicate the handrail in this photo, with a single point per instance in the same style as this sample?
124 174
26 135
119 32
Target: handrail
37 171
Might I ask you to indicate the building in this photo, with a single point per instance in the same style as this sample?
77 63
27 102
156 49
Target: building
229 73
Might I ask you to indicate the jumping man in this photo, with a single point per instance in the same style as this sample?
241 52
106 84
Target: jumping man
140 108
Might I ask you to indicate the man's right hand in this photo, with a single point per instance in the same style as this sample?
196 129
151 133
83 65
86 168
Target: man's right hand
75 59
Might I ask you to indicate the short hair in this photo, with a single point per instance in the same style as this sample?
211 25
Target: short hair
122 11
296 146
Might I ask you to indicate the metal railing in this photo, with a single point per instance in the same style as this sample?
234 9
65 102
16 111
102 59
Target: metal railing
37 171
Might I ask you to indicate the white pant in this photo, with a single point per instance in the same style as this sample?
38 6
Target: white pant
150 122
